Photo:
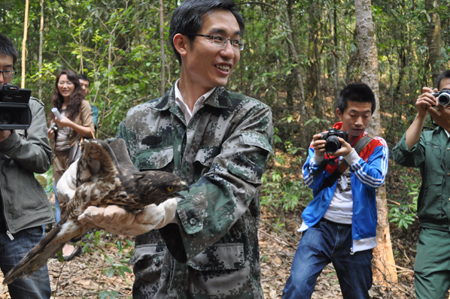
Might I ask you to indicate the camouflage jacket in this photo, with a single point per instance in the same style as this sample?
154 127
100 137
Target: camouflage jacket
212 252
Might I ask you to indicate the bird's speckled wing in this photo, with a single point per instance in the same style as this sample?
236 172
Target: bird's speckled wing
105 176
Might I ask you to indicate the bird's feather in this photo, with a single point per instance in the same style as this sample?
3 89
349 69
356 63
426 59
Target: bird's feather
105 176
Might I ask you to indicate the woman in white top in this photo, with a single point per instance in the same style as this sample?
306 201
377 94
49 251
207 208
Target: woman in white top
76 122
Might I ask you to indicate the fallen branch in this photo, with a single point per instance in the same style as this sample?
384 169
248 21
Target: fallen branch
278 240
295 242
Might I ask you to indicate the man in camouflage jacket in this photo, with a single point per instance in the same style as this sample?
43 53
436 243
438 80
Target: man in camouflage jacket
219 143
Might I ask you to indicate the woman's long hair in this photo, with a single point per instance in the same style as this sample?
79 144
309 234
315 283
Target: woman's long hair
75 98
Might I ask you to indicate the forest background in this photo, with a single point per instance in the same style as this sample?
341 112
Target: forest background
298 55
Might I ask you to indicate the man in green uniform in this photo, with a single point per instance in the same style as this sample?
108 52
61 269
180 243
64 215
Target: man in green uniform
430 151
204 245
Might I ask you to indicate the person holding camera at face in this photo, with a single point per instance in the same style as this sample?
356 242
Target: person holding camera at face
339 224
429 150
24 206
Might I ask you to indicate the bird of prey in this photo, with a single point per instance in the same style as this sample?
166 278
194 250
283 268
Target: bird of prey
105 176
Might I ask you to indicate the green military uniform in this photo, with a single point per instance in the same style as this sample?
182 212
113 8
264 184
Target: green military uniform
212 252
432 264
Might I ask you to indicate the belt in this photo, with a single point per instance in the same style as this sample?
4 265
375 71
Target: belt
335 223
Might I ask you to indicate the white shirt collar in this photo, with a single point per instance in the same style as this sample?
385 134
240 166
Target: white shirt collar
184 108
446 132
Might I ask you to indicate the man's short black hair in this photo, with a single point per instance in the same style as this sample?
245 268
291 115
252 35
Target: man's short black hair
7 48
356 92
443 75
188 18
83 76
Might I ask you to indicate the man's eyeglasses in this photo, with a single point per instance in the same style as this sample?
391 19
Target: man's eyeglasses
8 73
222 41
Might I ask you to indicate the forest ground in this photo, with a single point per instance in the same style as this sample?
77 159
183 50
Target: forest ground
86 276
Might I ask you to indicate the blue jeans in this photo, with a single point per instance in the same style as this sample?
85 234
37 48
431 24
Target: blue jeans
321 244
34 286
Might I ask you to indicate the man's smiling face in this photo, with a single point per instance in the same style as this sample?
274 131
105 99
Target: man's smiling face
210 65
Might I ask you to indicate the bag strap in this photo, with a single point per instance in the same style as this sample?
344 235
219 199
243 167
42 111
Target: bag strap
82 138
343 165
362 143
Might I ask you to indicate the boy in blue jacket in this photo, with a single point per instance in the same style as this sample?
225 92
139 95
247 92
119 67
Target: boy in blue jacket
339 225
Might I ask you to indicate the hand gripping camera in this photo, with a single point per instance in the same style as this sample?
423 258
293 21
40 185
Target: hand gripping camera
443 97
14 110
332 143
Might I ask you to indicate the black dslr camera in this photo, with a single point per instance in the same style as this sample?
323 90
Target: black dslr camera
15 114
443 97
332 143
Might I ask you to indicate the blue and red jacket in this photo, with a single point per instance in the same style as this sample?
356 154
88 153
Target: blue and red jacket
367 174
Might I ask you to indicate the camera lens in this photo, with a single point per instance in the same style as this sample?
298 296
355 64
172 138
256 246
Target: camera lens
444 99
332 144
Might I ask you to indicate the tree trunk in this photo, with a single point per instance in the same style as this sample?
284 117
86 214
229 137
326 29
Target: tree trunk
335 58
24 42
292 50
384 271
41 40
314 71
163 56
433 38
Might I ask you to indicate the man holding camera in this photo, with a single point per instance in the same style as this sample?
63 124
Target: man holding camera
24 206
430 151
339 224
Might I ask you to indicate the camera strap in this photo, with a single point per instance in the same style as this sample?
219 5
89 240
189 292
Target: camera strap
343 165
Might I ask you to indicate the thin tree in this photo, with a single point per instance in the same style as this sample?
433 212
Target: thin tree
383 263
294 53
41 37
163 56
314 72
24 42
433 39
332 15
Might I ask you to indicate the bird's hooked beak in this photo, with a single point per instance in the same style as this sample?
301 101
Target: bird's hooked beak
184 187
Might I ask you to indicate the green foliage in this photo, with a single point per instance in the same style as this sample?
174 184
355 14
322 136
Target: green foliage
279 224
46 180
264 258
117 44
116 268
318 124
404 214
281 189
124 252
108 294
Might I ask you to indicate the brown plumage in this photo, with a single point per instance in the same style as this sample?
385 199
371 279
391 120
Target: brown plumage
105 176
